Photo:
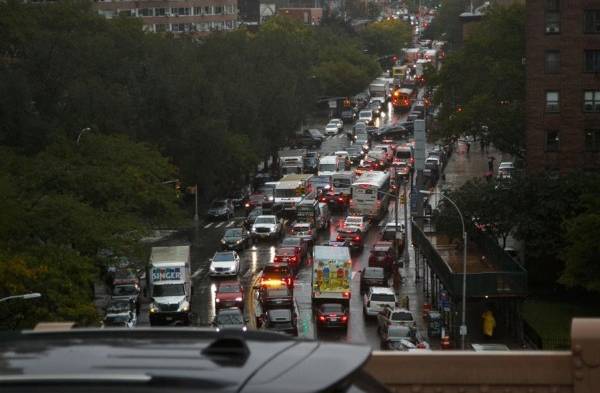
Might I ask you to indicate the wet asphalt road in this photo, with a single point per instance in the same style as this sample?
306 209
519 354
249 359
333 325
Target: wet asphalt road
205 242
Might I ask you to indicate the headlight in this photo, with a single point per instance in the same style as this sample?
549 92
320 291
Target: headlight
153 308
217 300
272 229
184 306
223 241
212 268
244 328
239 241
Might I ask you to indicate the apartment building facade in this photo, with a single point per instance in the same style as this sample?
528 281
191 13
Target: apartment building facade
193 16
563 85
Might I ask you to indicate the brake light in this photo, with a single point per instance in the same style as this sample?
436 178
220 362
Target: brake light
346 295
333 315
341 199
247 205
293 258
322 318
356 238
339 239
288 281
344 318
238 299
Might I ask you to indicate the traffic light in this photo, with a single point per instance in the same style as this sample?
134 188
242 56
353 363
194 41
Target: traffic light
403 199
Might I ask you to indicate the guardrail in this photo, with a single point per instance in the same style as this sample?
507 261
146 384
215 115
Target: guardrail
577 370
510 280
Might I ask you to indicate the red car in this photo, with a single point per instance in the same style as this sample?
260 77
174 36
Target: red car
255 200
288 255
382 255
352 236
229 294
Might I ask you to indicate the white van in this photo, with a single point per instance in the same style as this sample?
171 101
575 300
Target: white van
328 165
366 116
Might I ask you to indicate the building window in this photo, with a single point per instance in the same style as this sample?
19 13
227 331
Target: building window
218 10
552 22
126 13
146 12
552 101
180 11
591 21
592 61
552 17
591 101
160 12
592 139
552 62
552 141
160 27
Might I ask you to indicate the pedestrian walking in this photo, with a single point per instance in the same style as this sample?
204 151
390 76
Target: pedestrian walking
397 280
491 164
468 147
489 324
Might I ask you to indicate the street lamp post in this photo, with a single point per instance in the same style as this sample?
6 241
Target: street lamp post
81 133
25 296
463 326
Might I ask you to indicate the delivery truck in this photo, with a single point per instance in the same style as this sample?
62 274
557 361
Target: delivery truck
331 275
170 285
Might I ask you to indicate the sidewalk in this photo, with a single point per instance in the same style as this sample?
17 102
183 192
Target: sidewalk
461 167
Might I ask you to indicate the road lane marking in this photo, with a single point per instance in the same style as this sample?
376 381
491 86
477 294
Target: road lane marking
197 272
210 224
230 224
219 224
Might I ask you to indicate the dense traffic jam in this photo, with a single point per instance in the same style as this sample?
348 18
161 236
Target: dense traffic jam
289 210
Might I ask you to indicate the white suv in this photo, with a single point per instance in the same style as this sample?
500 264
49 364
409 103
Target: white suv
266 227
377 299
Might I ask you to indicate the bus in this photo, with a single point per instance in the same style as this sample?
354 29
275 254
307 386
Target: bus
402 99
370 195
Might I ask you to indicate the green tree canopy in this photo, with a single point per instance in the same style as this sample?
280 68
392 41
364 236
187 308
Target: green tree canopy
386 37
481 88
582 252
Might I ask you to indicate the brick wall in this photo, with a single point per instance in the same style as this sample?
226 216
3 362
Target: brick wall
571 81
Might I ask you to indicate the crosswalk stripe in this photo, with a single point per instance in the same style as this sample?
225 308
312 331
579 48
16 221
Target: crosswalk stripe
219 224
230 224
197 273
208 225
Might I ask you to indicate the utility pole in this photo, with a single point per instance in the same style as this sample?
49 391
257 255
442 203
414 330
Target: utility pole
196 217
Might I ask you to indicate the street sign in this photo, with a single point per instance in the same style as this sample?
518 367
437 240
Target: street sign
332 104
463 330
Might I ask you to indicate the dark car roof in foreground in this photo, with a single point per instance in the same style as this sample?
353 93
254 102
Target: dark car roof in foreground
187 358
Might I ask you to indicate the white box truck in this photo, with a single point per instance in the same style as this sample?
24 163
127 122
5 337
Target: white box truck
170 285
332 274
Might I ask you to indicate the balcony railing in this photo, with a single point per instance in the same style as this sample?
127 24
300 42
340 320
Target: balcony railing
577 370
